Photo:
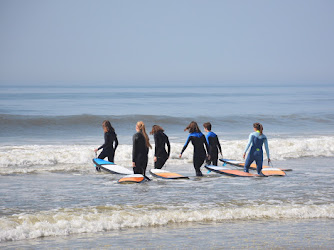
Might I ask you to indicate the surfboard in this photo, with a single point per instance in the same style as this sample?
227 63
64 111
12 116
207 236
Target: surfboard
111 167
273 172
132 178
164 174
241 164
229 172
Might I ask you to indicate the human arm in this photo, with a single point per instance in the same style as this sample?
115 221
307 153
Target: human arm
267 148
219 147
248 145
157 143
168 146
116 142
206 147
185 146
106 140
134 150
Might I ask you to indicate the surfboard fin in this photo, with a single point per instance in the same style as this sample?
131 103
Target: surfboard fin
98 169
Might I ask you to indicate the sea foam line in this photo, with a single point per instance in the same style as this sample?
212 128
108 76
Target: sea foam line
32 158
98 219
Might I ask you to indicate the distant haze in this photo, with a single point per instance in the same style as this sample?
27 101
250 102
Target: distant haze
152 42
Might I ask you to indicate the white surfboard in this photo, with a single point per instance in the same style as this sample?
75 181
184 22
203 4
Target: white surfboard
111 167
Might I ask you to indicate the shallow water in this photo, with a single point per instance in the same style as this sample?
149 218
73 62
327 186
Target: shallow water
51 195
305 234
91 208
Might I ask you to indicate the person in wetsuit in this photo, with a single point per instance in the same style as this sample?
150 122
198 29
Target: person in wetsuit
110 142
256 141
201 147
141 145
214 145
160 140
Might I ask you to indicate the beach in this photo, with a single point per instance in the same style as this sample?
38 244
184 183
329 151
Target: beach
52 197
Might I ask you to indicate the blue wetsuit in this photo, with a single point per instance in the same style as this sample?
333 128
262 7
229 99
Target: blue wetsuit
198 141
256 141
214 146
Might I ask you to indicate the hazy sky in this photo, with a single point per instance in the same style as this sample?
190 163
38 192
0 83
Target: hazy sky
166 41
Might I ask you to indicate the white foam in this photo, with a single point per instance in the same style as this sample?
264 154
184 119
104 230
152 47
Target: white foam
32 158
98 219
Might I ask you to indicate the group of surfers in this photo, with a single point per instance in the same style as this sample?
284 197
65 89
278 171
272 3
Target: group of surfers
206 148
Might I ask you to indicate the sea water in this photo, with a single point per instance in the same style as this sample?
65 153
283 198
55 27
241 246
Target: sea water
51 195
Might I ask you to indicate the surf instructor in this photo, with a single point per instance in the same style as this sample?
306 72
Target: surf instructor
141 145
256 141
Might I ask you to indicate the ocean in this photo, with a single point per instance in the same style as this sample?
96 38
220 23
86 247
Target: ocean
52 197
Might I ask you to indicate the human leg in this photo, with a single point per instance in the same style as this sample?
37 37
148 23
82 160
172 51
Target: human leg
259 163
103 155
198 162
160 162
138 169
248 162
111 156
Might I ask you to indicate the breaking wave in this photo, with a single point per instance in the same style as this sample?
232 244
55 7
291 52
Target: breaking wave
37 158
70 221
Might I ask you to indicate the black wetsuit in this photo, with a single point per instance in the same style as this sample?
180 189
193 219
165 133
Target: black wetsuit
198 140
214 146
108 147
139 153
160 139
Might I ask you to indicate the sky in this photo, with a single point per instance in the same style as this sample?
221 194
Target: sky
161 42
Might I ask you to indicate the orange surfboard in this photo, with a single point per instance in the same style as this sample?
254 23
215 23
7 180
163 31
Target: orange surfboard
132 178
164 174
273 172
230 172
241 164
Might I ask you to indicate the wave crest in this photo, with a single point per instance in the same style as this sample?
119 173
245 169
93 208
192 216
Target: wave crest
98 219
36 158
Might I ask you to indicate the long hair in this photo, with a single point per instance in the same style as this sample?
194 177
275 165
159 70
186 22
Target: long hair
156 129
108 126
258 126
141 127
193 127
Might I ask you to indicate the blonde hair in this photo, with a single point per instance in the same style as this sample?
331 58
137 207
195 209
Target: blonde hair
141 127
